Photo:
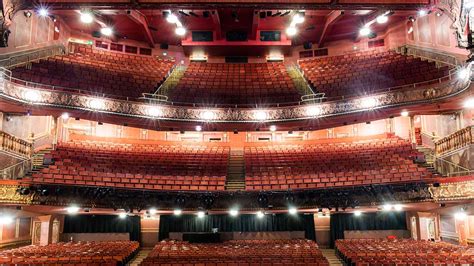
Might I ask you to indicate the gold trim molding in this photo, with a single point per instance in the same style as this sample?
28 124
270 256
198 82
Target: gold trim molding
452 191
9 194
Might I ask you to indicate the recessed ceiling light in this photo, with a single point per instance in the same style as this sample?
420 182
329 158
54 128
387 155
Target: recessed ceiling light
86 17
382 19
180 31
291 31
365 31
107 31
172 18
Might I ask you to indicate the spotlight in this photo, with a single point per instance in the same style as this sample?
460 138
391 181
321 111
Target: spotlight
65 116
72 209
398 207
260 115
368 103
107 31
461 215
469 103
154 111
122 215
422 13
291 31
86 17
404 113
292 211
32 96
97 104
208 115
27 14
4 220
198 128
43 12
180 31
201 214
152 211
234 212
357 213
172 18
297 19
382 19
313 111
387 207
273 128
464 73
260 214
365 31
24 191
177 212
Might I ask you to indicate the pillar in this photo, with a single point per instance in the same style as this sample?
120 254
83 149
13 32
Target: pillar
149 231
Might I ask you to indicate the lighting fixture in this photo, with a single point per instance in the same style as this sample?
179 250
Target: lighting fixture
410 30
469 103
273 128
365 31
368 103
422 12
297 19
464 73
260 115
387 207
404 113
154 111
32 96
107 31
201 214
208 115
65 116
292 211
382 19
180 31
72 209
291 31
152 211
357 213
4 219
397 207
122 215
313 111
171 18
234 212
86 17
177 212
43 12
461 215
260 214
198 128
97 104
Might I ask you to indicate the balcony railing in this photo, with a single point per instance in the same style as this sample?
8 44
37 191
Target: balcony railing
15 145
455 141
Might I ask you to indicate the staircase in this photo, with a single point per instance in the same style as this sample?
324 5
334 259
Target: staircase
171 81
429 160
141 255
38 161
330 255
236 170
300 82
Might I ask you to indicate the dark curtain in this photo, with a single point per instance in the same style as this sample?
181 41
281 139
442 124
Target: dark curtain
103 224
367 221
241 223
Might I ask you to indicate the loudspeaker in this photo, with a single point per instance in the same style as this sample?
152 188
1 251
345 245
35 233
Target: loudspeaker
307 45
164 46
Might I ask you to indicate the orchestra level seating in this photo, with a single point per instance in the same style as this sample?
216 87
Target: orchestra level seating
99 72
386 159
237 252
402 252
139 166
108 253
232 83
365 72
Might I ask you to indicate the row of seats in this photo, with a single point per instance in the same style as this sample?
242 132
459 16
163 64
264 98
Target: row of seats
365 72
237 252
229 84
110 253
402 252
280 167
140 166
98 72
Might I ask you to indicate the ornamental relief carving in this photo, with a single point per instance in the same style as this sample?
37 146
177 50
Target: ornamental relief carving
453 191
8 194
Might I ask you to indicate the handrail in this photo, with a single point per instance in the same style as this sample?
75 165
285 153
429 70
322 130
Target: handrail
298 69
447 168
415 51
7 75
16 145
32 55
17 170
428 139
454 141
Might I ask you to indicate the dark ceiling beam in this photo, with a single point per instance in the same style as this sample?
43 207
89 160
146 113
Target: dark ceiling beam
140 19
331 19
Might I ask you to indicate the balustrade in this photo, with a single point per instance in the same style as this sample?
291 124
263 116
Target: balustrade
15 145
454 141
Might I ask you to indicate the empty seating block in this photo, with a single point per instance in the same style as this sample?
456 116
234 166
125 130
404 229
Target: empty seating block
335 164
231 83
365 72
99 72
237 252
402 252
109 253
140 166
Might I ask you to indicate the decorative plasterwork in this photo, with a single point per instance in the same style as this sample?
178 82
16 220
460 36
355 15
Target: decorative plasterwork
453 191
9 195
409 95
